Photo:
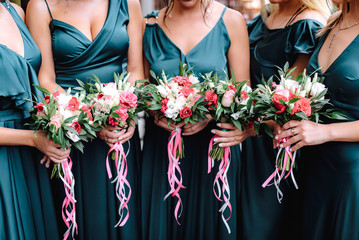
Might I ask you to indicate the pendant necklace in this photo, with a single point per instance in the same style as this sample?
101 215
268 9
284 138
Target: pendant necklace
336 32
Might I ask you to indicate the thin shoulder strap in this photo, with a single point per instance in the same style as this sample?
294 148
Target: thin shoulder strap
295 15
48 8
224 10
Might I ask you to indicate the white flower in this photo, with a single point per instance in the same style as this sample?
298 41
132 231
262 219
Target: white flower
302 93
74 137
63 99
193 79
317 88
308 85
163 90
110 89
236 115
211 84
290 84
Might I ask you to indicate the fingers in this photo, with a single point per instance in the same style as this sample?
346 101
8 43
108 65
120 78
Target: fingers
232 133
195 128
128 135
291 124
227 141
227 126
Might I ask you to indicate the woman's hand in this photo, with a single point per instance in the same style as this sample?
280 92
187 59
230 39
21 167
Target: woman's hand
114 134
52 151
302 133
162 122
232 137
191 129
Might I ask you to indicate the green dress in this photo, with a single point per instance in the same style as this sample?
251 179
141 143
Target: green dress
263 217
26 204
330 171
76 57
200 218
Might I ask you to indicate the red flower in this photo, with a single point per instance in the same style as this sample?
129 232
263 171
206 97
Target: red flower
128 100
73 104
186 91
277 103
76 126
122 112
164 105
185 112
47 99
212 99
40 107
99 96
244 95
56 94
87 111
182 81
302 105
231 87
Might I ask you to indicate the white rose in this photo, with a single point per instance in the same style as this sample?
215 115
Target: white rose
110 89
317 88
193 79
290 84
163 91
308 85
302 93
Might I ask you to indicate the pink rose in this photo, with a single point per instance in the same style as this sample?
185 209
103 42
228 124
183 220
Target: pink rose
302 105
228 98
73 104
186 91
122 112
40 107
56 123
56 94
182 81
244 95
76 126
128 100
212 99
47 99
164 105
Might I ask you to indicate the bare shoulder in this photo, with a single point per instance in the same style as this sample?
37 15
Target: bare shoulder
19 10
38 8
234 20
312 14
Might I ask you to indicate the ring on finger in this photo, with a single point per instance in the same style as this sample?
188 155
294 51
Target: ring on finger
106 139
293 131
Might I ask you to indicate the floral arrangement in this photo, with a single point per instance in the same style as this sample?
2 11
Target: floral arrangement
116 104
177 99
302 98
67 120
228 101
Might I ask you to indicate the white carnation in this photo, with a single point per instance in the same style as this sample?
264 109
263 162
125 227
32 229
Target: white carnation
74 137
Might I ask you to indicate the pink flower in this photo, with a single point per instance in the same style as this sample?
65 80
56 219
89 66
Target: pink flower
122 112
228 98
73 104
164 105
185 112
128 100
244 95
212 99
283 94
40 107
56 94
182 81
47 99
186 91
302 105
76 126
56 123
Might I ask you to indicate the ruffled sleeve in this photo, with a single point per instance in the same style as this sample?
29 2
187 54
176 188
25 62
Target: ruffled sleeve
17 79
302 38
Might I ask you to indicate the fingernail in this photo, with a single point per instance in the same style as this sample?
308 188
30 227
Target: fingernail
281 145
276 137
221 145
218 124
215 140
213 131
278 131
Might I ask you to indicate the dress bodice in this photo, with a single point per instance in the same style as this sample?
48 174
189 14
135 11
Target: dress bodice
18 74
341 78
76 57
270 48
209 55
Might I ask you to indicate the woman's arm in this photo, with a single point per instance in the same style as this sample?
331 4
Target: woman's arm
38 21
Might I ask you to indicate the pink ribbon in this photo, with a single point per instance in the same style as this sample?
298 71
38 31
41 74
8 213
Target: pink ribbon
280 171
174 147
221 177
68 205
123 187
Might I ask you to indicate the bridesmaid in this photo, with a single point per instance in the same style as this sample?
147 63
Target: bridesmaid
26 205
283 33
206 35
78 38
330 169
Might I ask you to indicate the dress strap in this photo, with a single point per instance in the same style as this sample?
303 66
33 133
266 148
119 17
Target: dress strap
295 15
48 8
224 10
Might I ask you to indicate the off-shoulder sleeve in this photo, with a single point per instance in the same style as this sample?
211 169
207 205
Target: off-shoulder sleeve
302 38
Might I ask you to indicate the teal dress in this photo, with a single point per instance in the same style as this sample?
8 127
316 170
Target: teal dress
76 57
263 217
330 171
200 218
26 204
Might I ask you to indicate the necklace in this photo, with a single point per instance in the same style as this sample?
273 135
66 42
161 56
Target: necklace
336 33
7 4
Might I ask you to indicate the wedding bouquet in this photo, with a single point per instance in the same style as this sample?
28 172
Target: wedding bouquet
115 104
302 98
177 99
67 120
228 101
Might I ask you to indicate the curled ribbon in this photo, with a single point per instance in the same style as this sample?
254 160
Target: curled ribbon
123 187
68 205
279 173
174 147
221 178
